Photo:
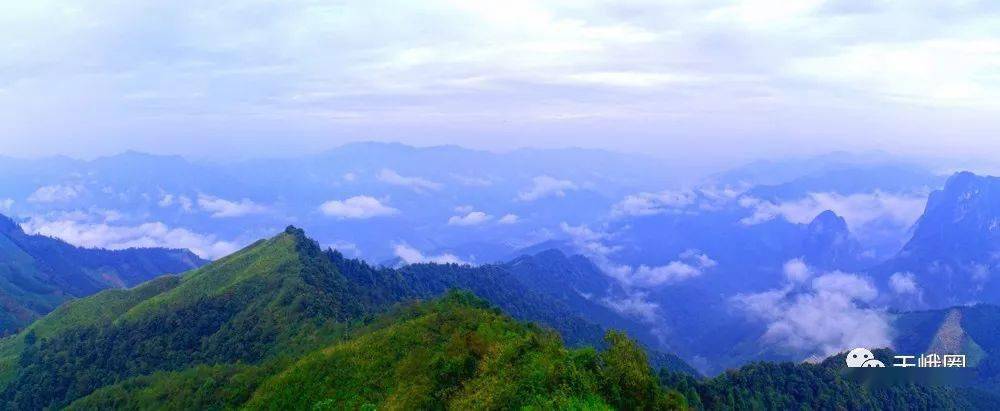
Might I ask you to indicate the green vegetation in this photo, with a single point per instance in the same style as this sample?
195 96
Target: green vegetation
826 386
282 324
454 353
221 328
39 273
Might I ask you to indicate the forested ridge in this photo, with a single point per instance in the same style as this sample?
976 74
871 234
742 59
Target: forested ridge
283 324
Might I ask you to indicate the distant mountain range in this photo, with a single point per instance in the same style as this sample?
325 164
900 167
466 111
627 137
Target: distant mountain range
38 273
401 195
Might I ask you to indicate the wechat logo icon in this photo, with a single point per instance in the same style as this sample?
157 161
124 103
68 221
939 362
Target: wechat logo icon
863 358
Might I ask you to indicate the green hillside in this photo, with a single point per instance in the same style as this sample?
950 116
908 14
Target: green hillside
454 353
38 273
273 301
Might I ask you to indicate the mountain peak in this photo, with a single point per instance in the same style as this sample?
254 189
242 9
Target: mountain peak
828 242
828 222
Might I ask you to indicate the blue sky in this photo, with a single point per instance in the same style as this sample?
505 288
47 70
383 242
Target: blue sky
680 79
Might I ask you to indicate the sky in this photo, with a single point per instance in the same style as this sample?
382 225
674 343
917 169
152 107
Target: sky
684 80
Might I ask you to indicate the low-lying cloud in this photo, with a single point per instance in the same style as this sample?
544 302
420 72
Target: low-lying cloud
470 219
690 264
417 184
55 193
81 233
822 315
222 208
509 219
645 204
859 210
357 207
411 255
546 186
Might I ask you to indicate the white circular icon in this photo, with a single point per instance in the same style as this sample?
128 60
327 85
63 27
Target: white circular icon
862 357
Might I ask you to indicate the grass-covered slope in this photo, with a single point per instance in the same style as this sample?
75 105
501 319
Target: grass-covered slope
39 273
268 298
454 353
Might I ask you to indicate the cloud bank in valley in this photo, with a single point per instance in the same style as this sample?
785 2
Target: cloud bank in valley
817 314
81 229
859 210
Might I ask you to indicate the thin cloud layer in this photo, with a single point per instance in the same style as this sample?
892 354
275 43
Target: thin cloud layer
55 193
859 210
470 219
222 208
416 183
546 186
594 73
357 207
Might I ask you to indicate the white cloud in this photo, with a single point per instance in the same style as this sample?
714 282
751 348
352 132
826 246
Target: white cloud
587 241
55 193
904 283
545 186
935 72
222 208
464 209
185 203
691 264
900 210
489 62
470 219
828 315
350 177
644 204
796 271
416 183
509 219
116 237
166 200
357 207
411 255
635 304
6 204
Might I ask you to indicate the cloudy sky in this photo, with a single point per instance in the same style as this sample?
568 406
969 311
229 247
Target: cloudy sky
684 79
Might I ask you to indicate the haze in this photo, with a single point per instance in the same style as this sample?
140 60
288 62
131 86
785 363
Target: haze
697 82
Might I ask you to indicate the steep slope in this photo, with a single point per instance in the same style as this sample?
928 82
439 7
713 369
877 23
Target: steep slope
955 250
38 273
